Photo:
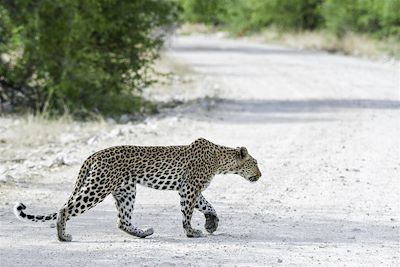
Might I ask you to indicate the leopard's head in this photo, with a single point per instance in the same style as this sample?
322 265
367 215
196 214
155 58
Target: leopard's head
245 165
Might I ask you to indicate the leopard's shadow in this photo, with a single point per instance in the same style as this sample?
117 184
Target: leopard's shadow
235 227
307 231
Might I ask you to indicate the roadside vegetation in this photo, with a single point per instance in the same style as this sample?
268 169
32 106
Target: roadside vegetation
359 27
90 59
83 58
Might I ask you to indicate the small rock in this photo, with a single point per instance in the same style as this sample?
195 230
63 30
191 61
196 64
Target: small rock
124 118
67 138
280 261
5 178
116 132
61 159
110 121
92 140
30 164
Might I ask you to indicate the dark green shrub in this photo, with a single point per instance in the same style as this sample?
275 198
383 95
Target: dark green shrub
204 11
287 14
84 56
389 15
377 17
381 18
345 16
237 16
241 16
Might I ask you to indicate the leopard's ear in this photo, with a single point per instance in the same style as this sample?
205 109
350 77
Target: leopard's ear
242 151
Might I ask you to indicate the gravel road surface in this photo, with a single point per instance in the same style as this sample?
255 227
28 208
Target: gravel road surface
324 128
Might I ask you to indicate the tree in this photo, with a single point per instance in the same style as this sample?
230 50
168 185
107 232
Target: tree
81 56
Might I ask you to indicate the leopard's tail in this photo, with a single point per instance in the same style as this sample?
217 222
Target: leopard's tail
19 212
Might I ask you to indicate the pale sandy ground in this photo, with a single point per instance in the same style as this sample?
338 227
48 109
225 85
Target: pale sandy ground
324 128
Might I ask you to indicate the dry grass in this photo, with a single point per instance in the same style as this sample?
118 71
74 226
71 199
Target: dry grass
190 28
168 65
30 130
174 78
350 44
33 130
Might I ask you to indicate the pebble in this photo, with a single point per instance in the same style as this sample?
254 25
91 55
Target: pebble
125 118
116 132
92 140
60 160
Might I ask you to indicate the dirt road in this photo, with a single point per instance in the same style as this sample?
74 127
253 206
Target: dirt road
324 128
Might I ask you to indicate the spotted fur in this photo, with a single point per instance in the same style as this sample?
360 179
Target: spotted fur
116 171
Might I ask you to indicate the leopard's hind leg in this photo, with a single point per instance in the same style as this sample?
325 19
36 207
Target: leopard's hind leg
86 198
125 201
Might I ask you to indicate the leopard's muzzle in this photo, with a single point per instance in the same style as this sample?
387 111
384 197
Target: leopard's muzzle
254 178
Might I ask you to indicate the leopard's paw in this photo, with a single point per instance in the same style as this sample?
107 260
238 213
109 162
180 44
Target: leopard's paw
194 233
211 223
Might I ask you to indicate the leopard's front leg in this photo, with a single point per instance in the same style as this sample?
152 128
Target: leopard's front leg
209 212
189 195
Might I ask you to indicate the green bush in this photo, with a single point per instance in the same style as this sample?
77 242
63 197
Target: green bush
204 11
80 56
377 17
287 14
380 18
241 16
349 16
390 18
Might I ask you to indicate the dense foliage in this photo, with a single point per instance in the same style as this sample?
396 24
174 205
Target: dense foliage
81 56
378 17
95 56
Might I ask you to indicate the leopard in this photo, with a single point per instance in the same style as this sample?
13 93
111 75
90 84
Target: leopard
117 170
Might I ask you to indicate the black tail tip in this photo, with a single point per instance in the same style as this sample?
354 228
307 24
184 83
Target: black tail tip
20 206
